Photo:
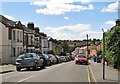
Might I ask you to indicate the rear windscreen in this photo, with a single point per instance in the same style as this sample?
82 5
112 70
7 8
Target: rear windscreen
25 56
81 56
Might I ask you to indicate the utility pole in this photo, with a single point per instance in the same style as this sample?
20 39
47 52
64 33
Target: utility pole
87 46
103 54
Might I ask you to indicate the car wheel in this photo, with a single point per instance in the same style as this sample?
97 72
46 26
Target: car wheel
87 63
35 66
50 63
18 69
76 63
43 66
28 68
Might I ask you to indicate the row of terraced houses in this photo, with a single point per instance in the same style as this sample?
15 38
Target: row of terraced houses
16 38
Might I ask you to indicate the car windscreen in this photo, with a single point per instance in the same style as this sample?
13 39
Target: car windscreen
46 56
25 56
62 57
81 56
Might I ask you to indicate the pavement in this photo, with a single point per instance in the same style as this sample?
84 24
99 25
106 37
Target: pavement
7 68
111 74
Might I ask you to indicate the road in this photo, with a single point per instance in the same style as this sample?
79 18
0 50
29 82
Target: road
64 72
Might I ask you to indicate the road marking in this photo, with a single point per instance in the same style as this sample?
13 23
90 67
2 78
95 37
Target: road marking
8 74
88 75
92 74
25 79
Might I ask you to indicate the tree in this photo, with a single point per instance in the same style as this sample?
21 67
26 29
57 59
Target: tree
99 52
51 52
112 38
54 52
65 47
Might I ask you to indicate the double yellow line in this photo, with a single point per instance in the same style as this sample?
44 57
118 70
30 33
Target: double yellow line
91 77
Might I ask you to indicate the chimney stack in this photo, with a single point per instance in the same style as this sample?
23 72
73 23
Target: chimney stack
30 25
37 29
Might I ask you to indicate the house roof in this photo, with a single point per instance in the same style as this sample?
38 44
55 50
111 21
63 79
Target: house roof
42 34
98 43
10 23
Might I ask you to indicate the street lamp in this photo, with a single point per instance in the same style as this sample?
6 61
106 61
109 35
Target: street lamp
87 46
103 54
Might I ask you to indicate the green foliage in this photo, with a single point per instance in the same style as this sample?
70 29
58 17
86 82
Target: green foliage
54 52
51 52
99 52
112 44
90 57
65 47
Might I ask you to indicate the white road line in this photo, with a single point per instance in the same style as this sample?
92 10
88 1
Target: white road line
25 79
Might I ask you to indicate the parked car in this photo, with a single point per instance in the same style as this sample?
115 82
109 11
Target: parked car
46 58
29 60
63 58
59 60
52 58
81 59
69 59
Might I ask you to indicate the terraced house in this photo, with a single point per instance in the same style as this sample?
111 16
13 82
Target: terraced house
11 39
54 45
44 43
17 38
31 38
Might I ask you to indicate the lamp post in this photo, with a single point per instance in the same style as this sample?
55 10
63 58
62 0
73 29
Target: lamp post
103 54
87 46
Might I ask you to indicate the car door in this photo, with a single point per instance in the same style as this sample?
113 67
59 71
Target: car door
40 60
46 59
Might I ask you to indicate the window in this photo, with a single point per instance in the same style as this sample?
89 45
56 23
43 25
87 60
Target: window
18 52
10 33
14 35
31 40
14 53
20 49
44 43
20 36
17 36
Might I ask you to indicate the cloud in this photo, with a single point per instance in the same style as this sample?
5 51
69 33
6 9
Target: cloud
57 7
66 18
111 8
73 28
9 17
111 23
72 32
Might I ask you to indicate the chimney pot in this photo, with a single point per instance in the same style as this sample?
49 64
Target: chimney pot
30 25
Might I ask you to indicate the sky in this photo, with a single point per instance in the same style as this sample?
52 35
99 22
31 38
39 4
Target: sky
64 19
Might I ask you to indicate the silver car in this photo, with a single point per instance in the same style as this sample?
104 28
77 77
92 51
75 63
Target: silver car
52 58
63 58
29 60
